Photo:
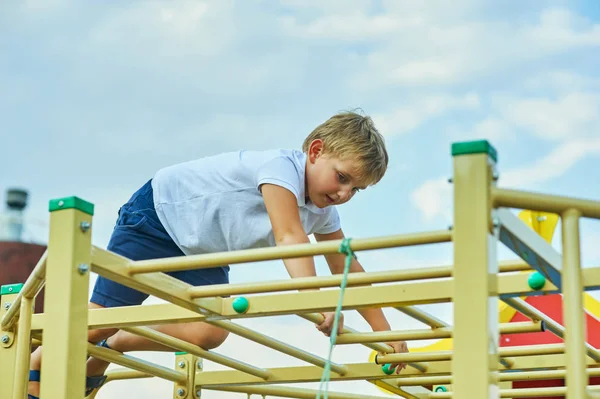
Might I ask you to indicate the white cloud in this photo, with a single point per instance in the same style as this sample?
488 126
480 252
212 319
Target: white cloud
575 114
406 118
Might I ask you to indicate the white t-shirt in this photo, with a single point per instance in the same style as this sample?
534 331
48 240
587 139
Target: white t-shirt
214 204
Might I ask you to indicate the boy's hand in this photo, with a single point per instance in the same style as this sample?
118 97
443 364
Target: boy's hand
399 347
326 326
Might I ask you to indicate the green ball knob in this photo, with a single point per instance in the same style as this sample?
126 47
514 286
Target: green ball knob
240 304
441 388
387 368
536 281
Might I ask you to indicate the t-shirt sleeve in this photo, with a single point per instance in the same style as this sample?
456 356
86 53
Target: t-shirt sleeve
331 221
280 171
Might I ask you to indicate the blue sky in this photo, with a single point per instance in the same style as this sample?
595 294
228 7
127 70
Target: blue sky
98 96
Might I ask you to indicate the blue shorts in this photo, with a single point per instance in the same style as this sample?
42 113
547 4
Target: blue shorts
139 235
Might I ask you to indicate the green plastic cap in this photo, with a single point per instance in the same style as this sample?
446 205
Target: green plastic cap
441 388
71 202
474 147
11 289
240 304
180 353
536 281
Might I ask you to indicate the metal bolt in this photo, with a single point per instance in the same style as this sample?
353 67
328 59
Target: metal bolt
495 175
10 289
6 305
198 393
541 218
85 226
496 222
5 339
180 392
61 203
199 364
181 365
83 268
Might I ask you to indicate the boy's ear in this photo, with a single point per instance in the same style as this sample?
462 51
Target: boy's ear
315 149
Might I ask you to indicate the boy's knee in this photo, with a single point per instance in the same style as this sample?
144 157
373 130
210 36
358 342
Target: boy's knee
95 336
210 337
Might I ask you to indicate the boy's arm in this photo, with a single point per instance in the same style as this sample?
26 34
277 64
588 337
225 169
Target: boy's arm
373 316
282 208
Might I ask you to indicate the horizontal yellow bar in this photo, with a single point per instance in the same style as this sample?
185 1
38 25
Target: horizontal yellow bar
529 350
551 325
285 252
136 364
543 202
391 295
289 392
30 289
520 393
422 334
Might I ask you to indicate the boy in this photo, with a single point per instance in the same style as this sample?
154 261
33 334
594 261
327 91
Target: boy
232 201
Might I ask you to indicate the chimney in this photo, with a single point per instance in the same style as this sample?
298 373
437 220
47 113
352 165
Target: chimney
11 224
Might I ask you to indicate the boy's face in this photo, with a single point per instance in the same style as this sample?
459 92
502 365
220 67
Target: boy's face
329 179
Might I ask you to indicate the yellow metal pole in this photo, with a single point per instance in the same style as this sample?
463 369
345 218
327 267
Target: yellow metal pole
23 349
544 202
8 349
34 283
66 298
288 251
573 313
476 335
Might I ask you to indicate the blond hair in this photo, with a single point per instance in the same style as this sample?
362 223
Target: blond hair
351 135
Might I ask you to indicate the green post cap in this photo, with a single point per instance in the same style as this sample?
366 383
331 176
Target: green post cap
180 353
71 202
474 147
441 388
387 368
11 289
240 304
536 281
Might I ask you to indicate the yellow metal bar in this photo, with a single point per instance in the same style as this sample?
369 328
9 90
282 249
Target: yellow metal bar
183 346
125 374
278 345
422 316
285 252
551 325
573 313
422 334
23 349
544 202
141 365
32 286
392 295
131 316
320 282
160 285
65 304
8 352
476 335
368 371
289 392
518 393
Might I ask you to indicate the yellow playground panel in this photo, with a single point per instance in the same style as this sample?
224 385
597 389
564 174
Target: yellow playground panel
467 360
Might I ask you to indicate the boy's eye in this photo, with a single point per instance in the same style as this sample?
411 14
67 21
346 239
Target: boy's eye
341 178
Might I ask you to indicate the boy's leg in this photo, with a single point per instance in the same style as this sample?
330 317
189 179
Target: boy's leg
94 336
200 334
